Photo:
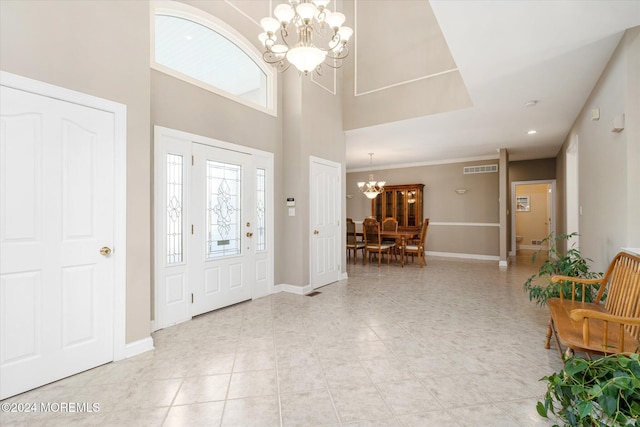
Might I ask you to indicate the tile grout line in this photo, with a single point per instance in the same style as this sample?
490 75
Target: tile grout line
324 377
233 365
275 358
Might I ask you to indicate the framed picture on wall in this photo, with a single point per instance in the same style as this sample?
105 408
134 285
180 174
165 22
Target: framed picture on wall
523 204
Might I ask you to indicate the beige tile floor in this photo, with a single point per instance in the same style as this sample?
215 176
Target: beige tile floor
456 343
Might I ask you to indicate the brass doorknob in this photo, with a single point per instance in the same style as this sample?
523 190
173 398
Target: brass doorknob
105 251
249 234
316 232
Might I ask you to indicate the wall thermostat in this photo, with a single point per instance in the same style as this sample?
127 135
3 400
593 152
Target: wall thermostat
291 202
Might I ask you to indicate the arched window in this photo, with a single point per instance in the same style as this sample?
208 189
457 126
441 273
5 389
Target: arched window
196 47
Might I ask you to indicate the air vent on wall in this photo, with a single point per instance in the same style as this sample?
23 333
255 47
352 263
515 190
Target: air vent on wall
480 169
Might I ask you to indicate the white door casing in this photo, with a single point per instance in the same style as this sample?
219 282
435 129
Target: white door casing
61 300
180 273
572 192
324 220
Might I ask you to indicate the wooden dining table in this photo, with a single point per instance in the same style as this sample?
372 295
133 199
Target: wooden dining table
401 236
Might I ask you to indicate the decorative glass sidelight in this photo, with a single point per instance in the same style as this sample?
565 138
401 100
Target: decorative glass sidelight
223 226
261 240
174 209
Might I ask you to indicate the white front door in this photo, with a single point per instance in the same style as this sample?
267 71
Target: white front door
57 201
325 222
221 271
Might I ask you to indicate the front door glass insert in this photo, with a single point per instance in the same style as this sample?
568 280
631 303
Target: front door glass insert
224 183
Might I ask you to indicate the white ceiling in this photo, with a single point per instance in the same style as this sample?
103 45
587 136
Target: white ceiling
508 52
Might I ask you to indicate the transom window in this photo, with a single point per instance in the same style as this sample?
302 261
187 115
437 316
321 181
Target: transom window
198 51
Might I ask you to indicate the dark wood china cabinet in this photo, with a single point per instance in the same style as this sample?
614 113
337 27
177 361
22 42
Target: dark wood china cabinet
402 202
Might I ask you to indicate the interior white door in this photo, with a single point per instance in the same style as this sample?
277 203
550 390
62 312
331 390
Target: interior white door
221 271
325 222
57 198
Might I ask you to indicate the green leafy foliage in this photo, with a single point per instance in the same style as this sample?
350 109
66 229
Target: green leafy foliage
601 392
570 263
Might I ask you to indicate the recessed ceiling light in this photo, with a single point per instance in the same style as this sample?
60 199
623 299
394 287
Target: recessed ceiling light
532 132
188 37
531 103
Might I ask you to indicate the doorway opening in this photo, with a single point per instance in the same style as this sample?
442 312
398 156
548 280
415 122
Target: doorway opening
533 216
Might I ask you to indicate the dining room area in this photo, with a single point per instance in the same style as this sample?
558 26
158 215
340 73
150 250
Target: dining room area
374 240
461 200
395 231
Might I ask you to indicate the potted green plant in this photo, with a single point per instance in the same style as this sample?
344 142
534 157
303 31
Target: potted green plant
570 263
601 392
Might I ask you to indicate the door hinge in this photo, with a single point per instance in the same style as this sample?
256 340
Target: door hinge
191 298
191 228
192 160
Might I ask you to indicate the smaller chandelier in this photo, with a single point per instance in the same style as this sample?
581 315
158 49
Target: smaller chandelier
305 18
372 188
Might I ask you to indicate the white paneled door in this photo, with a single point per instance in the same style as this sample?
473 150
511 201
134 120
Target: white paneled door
325 222
56 270
221 271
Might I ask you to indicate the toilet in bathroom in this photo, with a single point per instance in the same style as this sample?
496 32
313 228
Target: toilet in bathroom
518 240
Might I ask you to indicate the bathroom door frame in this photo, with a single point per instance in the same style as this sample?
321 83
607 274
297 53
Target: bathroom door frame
551 208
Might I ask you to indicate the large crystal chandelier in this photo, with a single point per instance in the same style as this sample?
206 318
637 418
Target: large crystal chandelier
372 188
307 19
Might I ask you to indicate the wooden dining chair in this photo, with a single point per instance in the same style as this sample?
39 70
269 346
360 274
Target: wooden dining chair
417 248
373 242
353 243
390 224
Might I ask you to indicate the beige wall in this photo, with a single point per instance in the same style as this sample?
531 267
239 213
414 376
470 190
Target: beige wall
609 176
532 170
313 118
100 48
443 205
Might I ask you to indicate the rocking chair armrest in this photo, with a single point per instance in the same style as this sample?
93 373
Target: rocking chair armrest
584 313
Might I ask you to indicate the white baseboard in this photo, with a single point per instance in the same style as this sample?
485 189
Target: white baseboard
533 247
138 347
292 289
465 256
503 264
300 290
